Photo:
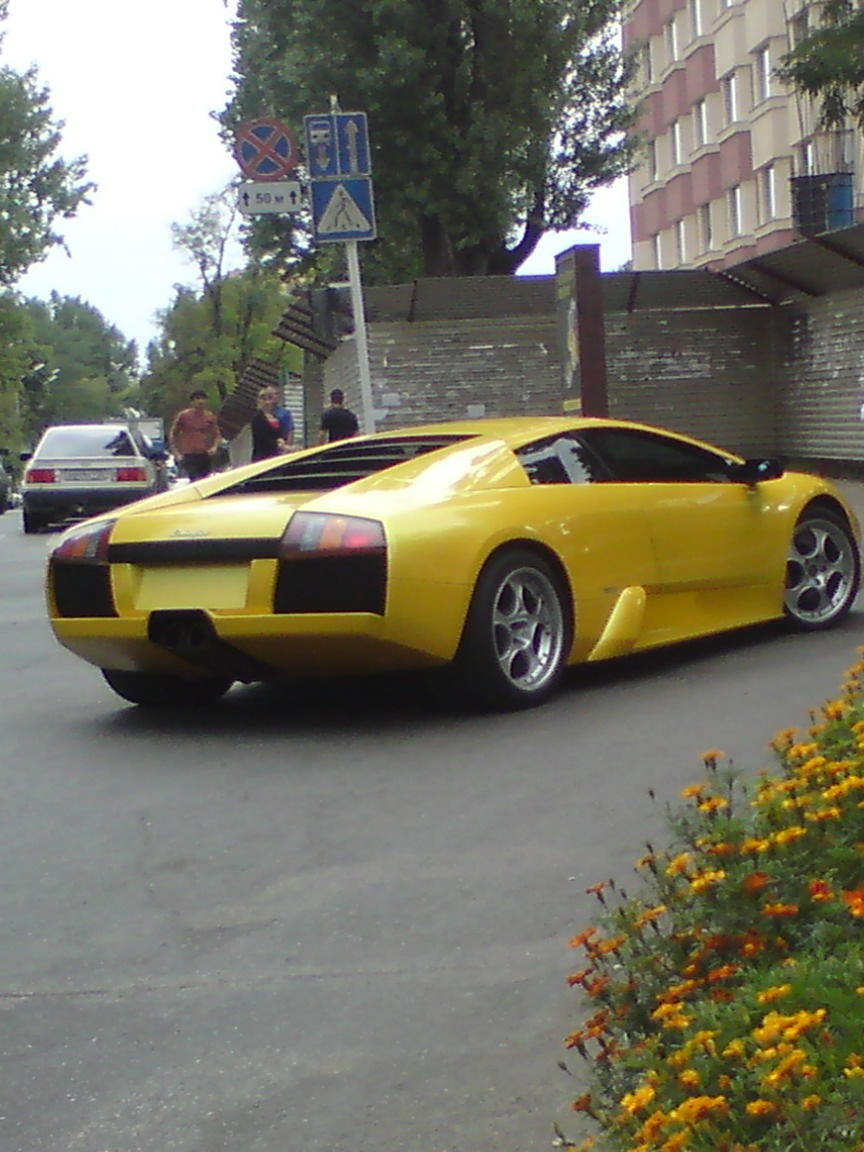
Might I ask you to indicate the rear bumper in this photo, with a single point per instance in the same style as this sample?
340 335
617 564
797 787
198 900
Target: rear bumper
63 503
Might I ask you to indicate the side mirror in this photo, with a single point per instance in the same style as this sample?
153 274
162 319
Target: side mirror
756 470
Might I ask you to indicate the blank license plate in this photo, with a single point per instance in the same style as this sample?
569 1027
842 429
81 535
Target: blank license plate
85 475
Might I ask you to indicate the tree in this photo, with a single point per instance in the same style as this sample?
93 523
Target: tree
79 366
491 121
36 186
828 63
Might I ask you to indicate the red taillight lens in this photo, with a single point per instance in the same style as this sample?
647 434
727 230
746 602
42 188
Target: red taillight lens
39 476
87 544
131 475
311 533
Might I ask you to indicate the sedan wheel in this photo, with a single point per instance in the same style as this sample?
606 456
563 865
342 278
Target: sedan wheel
822 570
154 691
518 633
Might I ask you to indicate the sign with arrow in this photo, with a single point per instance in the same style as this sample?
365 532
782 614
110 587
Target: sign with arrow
340 167
270 196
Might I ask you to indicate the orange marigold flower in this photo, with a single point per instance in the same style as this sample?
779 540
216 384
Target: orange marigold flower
760 1108
771 994
854 901
699 1108
756 881
824 814
788 835
604 947
811 1102
712 804
675 1142
583 937
713 755
679 865
692 791
582 1103
819 891
705 880
723 973
780 910
580 976
689 1078
636 1101
649 916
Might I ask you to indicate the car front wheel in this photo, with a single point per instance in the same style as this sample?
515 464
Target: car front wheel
518 632
822 570
156 691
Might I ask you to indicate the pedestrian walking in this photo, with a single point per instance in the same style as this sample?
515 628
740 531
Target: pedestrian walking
194 437
272 426
337 421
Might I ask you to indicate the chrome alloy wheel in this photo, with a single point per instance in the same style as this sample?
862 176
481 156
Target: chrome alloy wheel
821 571
528 629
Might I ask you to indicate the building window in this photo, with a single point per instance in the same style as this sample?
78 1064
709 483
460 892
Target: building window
695 18
700 123
675 146
671 36
681 242
768 183
706 232
730 97
658 255
807 158
645 67
651 160
733 204
762 74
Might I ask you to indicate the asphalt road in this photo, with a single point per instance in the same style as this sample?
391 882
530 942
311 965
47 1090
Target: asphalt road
333 920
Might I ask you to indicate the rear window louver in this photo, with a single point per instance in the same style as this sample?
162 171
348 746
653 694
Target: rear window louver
341 463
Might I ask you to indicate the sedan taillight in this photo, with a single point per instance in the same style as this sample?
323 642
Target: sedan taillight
39 476
131 475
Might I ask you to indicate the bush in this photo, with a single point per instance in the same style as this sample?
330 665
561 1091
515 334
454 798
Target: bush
726 998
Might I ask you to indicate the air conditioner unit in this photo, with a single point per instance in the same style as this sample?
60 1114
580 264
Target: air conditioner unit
823 203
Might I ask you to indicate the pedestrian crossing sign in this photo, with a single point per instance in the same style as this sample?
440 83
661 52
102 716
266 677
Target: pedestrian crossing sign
343 209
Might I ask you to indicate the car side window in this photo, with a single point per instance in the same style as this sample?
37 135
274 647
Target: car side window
559 459
633 456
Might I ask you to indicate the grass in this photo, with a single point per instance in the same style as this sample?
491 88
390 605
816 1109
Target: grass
725 999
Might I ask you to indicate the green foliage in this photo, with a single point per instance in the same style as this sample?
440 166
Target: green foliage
490 123
829 62
209 344
36 186
14 362
78 366
726 997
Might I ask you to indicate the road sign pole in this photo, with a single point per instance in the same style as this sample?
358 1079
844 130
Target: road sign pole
360 334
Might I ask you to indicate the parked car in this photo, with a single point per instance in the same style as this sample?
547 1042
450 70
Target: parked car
79 470
505 550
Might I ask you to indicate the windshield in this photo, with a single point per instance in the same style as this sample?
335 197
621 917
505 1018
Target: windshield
94 441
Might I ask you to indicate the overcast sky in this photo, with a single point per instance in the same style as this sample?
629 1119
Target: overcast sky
136 86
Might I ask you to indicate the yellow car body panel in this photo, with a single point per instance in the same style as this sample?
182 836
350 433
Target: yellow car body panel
641 564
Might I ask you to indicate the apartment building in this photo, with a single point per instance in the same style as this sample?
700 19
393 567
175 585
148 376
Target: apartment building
734 163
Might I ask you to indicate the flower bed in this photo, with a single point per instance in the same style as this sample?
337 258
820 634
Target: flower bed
726 1000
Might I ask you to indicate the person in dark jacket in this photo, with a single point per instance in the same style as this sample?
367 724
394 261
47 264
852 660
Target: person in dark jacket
337 421
272 426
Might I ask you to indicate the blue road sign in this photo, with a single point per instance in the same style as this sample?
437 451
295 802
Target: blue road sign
343 209
337 145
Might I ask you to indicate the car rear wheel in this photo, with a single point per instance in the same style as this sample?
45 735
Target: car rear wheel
31 523
822 570
518 632
156 691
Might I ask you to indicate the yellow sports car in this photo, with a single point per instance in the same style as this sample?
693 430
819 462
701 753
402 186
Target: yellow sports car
505 550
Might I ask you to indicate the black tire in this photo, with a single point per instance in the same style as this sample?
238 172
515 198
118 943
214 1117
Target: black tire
157 691
31 523
517 634
823 570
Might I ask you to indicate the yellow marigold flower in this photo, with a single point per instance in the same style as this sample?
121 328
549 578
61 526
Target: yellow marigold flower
680 1021
636 1101
675 1142
679 864
754 845
854 1073
860 990
649 916
811 1102
779 910
692 791
652 1127
802 751
699 1108
689 1078
823 815
788 835
712 804
854 901
707 879
760 1108
677 991
713 755
735 1049
834 709
775 993
724 1081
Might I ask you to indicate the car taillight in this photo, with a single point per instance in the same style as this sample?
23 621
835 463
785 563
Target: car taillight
39 476
87 544
314 533
131 475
